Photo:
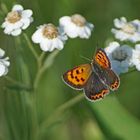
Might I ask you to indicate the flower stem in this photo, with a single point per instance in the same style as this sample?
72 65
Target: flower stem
40 59
30 46
47 63
55 115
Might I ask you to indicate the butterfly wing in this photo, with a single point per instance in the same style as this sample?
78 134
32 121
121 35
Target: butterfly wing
102 59
108 76
78 76
95 89
102 67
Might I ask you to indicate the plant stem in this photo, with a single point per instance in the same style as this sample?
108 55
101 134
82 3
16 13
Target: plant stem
31 99
17 83
55 115
41 57
47 63
30 46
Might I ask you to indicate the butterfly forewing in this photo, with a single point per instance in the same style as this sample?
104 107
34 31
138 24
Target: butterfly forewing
94 88
102 59
78 76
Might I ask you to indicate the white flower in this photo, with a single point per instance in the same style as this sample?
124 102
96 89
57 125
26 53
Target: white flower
136 57
76 26
127 30
120 57
17 20
4 63
49 37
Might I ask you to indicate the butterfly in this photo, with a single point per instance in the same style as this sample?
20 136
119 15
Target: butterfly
95 79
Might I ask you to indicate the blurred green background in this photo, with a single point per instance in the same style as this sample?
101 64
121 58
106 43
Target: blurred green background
25 117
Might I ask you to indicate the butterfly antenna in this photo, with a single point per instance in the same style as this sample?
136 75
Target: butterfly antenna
97 47
85 58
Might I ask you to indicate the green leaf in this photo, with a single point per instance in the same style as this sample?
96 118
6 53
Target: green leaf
115 120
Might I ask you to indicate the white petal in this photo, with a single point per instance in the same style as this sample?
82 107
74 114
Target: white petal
135 62
59 44
63 37
124 69
135 37
37 36
72 31
6 71
31 19
17 25
84 32
112 47
46 45
4 24
119 23
69 27
90 25
137 47
120 35
124 64
2 69
8 29
2 53
16 32
26 23
138 67
116 66
6 62
17 7
123 19
136 22
64 21
27 13
127 49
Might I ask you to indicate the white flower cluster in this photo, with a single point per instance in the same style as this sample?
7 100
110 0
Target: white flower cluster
17 20
120 56
127 31
51 37
48 36
124 56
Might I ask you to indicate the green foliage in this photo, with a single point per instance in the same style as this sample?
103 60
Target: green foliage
36 105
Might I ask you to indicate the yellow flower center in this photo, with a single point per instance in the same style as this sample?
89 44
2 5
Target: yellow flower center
129 28
119 55
13 16
50 31
78 20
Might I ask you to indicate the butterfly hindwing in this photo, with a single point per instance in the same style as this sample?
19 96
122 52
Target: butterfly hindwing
78 76
111 79
94 88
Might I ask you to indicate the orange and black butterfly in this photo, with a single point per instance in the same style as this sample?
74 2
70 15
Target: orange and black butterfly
95 79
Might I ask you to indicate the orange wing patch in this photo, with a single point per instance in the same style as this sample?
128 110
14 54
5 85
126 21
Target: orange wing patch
99 95
78 76
115 85
102 59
